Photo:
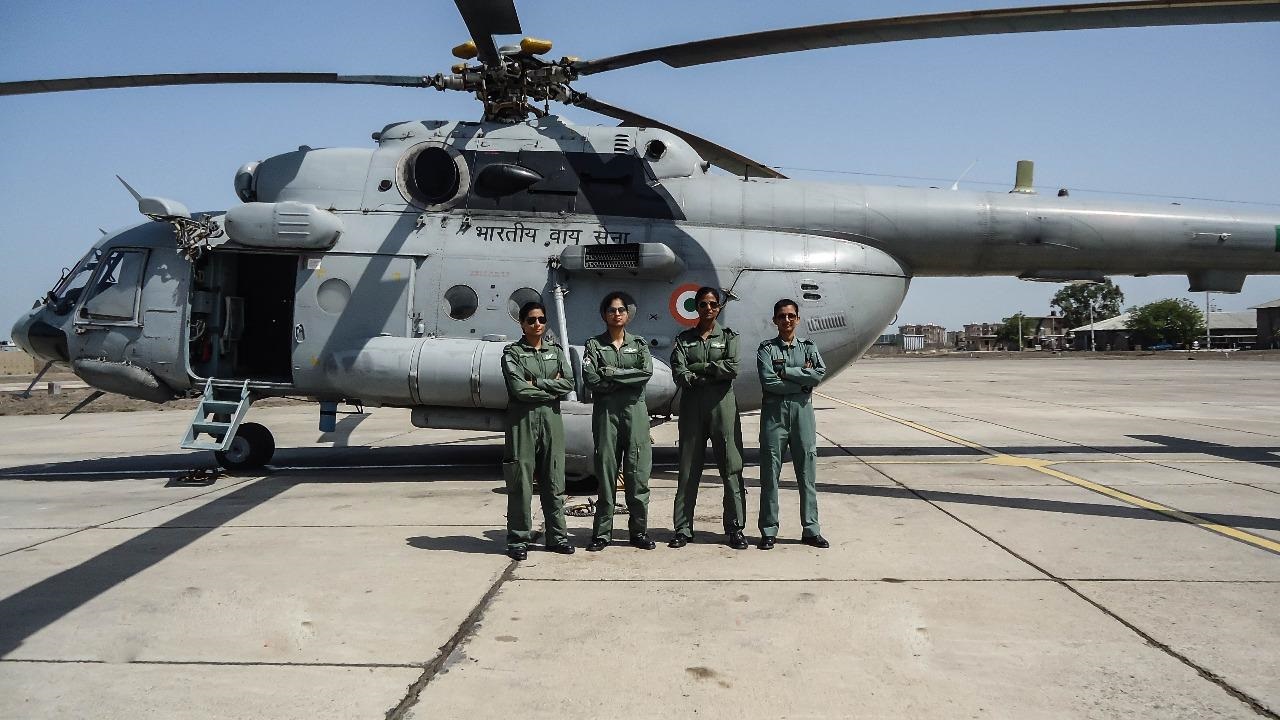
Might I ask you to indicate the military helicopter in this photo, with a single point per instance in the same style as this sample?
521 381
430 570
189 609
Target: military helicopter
389 276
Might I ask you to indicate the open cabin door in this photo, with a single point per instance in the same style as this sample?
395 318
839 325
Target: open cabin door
241 316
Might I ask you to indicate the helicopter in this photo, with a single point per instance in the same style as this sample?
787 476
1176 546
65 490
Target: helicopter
390 276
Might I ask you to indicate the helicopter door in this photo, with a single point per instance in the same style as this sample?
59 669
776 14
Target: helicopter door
341 302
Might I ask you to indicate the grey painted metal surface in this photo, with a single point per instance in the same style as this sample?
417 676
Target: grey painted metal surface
394 311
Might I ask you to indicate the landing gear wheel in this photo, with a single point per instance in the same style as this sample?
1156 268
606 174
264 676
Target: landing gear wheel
251 448
581 485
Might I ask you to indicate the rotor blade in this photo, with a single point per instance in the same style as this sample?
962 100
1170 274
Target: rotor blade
28 87
718 155
486 18
1141 13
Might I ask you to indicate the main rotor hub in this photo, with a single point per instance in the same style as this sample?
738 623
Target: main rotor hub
507 87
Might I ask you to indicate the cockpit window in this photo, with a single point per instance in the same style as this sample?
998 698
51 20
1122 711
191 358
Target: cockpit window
64 295
113 294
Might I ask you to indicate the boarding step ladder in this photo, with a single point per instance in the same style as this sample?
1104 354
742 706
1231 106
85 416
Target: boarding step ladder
219 414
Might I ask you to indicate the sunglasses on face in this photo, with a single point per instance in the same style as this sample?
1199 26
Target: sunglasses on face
786 316
708 304
615 311
535 320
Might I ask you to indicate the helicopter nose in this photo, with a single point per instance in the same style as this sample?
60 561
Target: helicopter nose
39 338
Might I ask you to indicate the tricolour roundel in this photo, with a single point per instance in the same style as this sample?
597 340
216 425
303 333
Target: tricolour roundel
683 305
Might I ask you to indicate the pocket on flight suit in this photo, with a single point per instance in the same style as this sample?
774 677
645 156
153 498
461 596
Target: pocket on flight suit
509 468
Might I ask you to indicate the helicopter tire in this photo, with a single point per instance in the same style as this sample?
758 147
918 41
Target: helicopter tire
252 448
581 485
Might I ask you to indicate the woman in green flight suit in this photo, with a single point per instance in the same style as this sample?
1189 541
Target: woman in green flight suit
538 377
704 363
616 366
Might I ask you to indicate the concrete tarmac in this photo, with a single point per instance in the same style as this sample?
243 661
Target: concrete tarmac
1063 537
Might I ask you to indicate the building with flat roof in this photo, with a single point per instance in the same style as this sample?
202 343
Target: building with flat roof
1227 330
1268 319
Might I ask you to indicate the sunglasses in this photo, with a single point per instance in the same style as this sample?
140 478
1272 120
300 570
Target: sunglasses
535 320
708 304
786 316
615 311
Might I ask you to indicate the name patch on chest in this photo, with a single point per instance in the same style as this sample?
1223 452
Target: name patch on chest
629 351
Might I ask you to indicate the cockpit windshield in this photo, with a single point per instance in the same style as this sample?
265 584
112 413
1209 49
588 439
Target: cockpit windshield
63 296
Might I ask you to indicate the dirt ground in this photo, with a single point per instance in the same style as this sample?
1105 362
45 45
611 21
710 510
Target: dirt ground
15 362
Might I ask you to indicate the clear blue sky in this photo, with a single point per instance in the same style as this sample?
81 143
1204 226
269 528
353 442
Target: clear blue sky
1188 112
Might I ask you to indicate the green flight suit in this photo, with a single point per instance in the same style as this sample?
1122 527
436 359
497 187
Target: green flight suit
704 370
620 427
787 422
536 382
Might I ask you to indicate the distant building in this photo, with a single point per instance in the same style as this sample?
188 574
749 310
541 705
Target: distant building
1233 330
1268 320
1050 332
933 336
981 336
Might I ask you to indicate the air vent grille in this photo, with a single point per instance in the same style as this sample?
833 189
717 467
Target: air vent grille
622 143
827 322
612 257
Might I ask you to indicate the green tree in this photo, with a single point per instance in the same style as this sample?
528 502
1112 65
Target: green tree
1173 320
1075 300
1008 332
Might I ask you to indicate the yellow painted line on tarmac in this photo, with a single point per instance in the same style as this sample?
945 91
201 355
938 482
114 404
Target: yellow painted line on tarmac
924 462
1045 467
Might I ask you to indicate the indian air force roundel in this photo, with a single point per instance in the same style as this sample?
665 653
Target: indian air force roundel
683 306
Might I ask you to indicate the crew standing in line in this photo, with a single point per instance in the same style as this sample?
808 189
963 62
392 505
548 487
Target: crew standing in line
538 378
789 369
704 363
616 366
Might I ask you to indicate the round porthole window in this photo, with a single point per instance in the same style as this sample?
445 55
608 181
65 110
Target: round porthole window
462 302
519 298
333 295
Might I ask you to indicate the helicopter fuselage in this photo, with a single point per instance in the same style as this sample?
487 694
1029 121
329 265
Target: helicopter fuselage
391 275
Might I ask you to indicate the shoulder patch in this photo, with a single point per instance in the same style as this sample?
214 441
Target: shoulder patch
730 332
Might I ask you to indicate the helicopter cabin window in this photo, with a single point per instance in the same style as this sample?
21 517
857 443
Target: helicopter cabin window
113 293
69 289
519 298
463 302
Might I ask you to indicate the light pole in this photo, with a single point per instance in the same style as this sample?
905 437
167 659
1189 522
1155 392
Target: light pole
1208 336
1019 331
1093 344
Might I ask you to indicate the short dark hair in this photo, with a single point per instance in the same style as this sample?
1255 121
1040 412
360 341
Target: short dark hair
529 307
783 303
607 302
706 290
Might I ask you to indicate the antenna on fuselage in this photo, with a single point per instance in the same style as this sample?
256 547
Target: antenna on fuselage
136 195
956 185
